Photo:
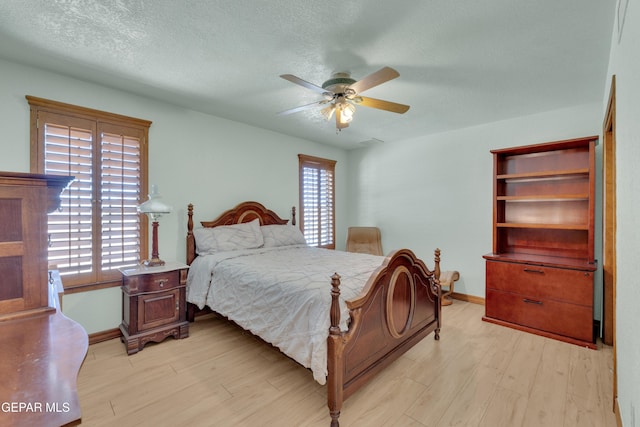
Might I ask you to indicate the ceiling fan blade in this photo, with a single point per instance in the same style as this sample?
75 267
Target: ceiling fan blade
302 108
304 83
382 105
382 75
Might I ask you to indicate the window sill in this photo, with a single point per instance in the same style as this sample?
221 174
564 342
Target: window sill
74 289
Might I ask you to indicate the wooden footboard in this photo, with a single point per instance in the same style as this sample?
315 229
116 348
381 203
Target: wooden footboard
399 306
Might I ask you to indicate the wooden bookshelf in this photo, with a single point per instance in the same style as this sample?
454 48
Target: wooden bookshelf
543 240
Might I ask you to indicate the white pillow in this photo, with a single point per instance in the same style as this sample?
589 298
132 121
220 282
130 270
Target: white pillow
228 237
282 235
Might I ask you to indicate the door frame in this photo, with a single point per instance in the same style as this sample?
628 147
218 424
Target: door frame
609 231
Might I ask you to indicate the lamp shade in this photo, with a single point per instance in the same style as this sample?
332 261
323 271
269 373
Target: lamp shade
154 205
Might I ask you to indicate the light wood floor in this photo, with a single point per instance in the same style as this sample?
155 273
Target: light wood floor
478 374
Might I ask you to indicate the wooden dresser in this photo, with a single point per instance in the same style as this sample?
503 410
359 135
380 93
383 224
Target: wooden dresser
41 350
540 274
25 200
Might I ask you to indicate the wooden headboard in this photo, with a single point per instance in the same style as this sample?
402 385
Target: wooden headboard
244 212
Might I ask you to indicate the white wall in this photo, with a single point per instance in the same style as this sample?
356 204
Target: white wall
436 191
193 157
625 64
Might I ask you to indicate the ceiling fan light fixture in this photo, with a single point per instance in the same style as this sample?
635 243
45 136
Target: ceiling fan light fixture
347 112
327 111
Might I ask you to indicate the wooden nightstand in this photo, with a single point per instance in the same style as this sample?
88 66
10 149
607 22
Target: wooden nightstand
153 304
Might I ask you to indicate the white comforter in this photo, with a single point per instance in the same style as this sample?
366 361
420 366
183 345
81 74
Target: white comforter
281 294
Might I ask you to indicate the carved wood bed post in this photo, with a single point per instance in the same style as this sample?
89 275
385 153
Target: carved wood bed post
437 290
191 241
335 304
334 362
191 255
293 215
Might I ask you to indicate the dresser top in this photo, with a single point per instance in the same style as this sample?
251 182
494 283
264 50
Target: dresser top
143 269
40 357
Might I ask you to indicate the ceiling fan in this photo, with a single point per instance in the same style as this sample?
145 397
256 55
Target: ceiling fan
342 93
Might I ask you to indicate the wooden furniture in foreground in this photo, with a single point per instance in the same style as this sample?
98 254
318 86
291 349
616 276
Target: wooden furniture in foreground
40 357
153 304
25 200
41 350
399 305
540 273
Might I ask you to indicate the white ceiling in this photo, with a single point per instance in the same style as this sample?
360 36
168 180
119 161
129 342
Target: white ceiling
461 63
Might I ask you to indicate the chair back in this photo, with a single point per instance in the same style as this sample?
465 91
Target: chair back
364 240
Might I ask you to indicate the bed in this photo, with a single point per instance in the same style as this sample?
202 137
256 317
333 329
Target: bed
347 315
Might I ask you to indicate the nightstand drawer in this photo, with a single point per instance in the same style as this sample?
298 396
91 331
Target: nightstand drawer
151 282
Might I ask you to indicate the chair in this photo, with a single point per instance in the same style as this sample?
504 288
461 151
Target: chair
365 240
447 278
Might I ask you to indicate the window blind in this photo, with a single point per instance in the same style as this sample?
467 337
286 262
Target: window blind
119 195
69 151
97 228
317 188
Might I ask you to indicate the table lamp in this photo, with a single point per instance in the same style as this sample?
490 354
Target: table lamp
154 208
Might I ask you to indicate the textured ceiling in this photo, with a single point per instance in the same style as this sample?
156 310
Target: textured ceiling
461 63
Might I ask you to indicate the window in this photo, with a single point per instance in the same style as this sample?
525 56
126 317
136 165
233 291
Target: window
317 200
97 228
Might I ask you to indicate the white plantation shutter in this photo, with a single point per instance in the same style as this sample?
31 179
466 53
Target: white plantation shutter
120 195
317 200
97 228
69 151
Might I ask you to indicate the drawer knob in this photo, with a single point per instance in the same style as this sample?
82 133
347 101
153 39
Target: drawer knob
533 270
162 282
